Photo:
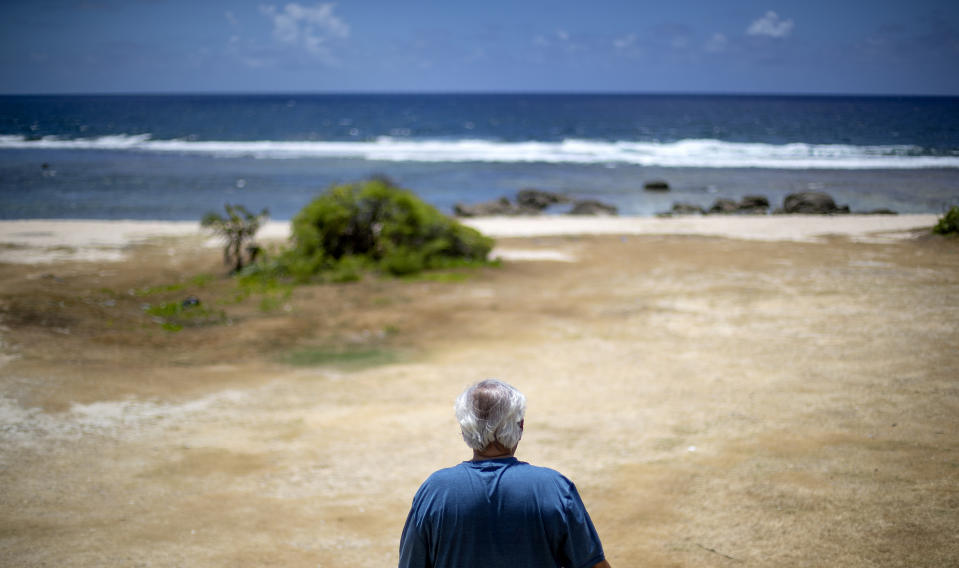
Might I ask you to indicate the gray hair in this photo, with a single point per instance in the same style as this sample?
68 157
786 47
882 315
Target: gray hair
491 411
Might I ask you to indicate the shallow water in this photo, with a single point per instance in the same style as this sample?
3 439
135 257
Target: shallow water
175 157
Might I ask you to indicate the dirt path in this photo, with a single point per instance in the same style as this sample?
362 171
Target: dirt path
718 402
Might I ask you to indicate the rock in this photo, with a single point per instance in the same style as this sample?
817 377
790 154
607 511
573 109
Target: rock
497 207
592 207
687 209
753 205
724 206
656 185
812 203
500 206
750 204
538 199
881 211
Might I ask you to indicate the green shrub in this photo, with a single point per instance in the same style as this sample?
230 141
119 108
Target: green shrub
375 224
949 223
174 316
237 228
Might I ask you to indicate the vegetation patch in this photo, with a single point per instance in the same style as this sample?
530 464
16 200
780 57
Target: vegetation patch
174 316
373 225
237 227
949 223
273 292
198 281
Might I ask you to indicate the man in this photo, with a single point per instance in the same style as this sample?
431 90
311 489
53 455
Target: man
494 510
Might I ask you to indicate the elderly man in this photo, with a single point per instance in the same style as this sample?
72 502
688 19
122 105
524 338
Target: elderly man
494 510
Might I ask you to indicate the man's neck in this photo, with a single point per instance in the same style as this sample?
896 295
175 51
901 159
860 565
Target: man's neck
492 452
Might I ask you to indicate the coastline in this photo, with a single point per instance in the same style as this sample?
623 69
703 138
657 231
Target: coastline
37 241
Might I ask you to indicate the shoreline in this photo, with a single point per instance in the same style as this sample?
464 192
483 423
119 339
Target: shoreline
41 241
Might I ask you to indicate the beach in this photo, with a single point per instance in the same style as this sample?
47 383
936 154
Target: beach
737 390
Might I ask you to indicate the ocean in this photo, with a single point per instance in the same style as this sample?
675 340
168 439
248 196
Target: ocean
175 157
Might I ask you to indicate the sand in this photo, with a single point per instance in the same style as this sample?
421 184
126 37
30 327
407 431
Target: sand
46 241
723 391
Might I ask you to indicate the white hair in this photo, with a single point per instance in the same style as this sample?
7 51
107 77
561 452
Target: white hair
491 411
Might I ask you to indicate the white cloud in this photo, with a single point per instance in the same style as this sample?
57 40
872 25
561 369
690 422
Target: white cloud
716 43
770 25
625 41
308 27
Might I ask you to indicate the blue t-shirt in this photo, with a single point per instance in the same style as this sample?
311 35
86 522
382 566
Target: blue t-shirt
500 512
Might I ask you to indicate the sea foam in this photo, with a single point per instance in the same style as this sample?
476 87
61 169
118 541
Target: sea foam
689 153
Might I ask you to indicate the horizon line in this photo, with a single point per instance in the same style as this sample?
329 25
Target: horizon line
477 93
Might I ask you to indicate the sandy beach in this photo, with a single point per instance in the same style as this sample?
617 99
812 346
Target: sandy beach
754 391
40 241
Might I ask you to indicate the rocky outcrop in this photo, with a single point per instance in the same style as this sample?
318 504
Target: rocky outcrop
531 202
753 204
724 206
748 205
497 207
811 203
656 185
528 202
539 199
592 207
686 209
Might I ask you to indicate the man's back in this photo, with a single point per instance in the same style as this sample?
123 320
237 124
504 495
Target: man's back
498 512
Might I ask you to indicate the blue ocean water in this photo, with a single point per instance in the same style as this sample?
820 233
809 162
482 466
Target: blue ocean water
176 157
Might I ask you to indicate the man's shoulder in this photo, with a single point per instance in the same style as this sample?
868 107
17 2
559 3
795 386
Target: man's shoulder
530 469
513 468
446 476
542 474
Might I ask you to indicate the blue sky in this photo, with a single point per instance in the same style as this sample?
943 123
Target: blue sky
672 46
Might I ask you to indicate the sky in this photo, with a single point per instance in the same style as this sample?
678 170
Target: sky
669 46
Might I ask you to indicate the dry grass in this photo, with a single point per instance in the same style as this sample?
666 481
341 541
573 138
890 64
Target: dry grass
717 402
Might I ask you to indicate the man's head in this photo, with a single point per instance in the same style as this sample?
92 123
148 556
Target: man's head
489 412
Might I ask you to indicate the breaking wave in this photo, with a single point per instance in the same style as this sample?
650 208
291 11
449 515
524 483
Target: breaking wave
692 153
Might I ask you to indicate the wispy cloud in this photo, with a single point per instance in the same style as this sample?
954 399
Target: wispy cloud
561 41
558 37
770 25
717 43
311 28
625 41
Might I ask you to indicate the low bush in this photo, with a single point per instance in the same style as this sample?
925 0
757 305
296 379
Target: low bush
237 228
375 225
949 223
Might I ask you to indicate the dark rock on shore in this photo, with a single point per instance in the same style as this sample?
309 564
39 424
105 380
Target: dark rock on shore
753 204
531 202
687 209
528 202
749 205
724 206
656 185
539 199
881 211
497 207
593 207
811 203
